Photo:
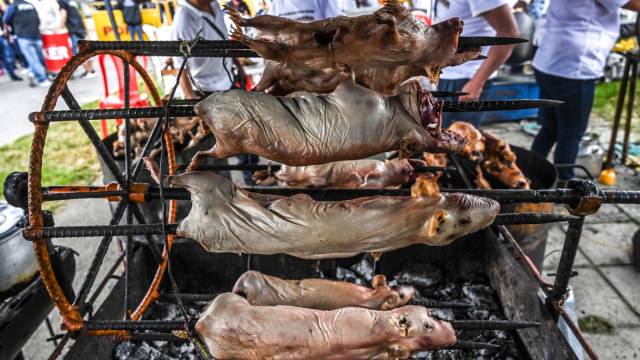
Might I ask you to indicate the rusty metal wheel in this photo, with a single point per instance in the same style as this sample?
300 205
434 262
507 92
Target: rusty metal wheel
125 191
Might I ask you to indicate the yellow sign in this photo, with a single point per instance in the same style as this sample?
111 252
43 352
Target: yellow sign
103 24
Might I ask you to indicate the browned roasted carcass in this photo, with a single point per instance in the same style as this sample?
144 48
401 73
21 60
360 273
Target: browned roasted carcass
389 37
224 218
474 148
350 123
351 174
321 294
234 329
500 161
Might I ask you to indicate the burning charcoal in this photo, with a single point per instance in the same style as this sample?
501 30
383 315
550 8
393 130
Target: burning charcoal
129 351
478 294
343 274
442 314
364 268
477 314
418 274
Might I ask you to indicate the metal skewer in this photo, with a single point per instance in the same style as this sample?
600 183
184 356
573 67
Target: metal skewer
491 324
469 345
473 41
438 304
178 111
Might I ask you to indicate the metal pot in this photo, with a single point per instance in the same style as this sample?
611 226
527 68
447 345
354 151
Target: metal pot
17 260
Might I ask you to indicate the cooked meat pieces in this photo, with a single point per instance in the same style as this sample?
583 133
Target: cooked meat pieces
320 294
389 38
224 218
500 161
309 129
234 329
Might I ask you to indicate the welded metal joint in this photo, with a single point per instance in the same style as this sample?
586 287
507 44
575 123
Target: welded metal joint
590 198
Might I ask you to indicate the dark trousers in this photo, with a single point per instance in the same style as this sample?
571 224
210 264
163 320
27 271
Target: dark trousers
474 118
565 124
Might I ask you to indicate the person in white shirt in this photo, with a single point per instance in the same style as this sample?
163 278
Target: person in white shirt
212 74
305 11
481 18
49 14
578 36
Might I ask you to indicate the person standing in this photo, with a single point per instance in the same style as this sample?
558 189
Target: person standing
212 74
240 6
132 17
7 56
71 18
305 11
49 15
23 18
481 18
578 36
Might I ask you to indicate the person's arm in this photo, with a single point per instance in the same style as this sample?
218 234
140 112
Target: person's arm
503 21
63 17
633 5
186 86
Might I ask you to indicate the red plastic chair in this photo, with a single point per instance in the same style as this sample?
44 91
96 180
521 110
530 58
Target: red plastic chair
116 101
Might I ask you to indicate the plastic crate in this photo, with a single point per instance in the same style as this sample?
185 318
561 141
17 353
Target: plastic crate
513 87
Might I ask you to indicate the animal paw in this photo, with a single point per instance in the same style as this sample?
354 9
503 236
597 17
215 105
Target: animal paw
237 34
234 15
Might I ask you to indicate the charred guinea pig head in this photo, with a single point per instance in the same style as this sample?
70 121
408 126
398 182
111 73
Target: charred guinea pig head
418 331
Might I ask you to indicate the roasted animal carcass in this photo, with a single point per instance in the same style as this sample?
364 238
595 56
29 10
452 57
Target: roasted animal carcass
390 37
474 148
321 294
350 174
234 329
224 218
350 123
500 161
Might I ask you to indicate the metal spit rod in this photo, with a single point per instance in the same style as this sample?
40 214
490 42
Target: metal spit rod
156 229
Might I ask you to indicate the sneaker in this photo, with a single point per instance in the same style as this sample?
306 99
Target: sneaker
45 83
16 78
32 80
1 72
24 71
88 75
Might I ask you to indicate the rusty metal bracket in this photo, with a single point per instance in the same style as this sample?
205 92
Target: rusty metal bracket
589 201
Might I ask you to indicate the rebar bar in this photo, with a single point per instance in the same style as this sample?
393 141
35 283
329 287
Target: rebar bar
468 345
203 48
567 258
491 324
132 325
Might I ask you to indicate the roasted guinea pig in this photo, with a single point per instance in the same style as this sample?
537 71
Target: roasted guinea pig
321 294
308 129
349 174
233 329
391 44
225 218
500 161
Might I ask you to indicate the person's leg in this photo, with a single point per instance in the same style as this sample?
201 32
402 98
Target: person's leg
9 58
30 51
138 29
19 55
573 119
131 32
547 117
88 65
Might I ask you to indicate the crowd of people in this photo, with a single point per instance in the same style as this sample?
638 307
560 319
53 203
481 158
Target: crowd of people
23 25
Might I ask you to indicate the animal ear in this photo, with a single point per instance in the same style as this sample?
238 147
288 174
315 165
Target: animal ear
379 281
434 223
390 302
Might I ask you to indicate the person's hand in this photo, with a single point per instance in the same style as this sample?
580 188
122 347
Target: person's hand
474 90
5 34
57 29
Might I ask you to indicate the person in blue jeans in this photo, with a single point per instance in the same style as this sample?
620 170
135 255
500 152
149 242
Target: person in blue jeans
71 18
132 17
577 39
7 56
23 19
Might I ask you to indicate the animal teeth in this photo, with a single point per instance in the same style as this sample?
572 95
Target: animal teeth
432 125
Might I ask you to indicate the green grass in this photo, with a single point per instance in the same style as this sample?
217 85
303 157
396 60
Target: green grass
593 324
69 157
606 99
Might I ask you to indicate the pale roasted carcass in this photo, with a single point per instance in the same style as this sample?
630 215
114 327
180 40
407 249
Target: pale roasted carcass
349 174
234 329
348 124
225 218
321 294
390 38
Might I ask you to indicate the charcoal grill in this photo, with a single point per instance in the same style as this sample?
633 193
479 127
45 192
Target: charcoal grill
504 262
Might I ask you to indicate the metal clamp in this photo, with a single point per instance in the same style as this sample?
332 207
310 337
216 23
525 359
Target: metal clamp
589 201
